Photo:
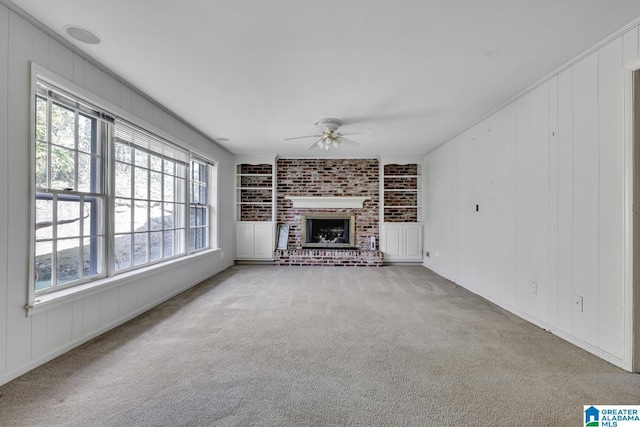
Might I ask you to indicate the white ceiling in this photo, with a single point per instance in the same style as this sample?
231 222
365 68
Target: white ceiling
416 72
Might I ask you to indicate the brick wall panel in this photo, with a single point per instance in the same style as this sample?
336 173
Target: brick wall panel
329 177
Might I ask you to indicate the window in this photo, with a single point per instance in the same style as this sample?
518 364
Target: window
69 196
109 196
150 198
198 208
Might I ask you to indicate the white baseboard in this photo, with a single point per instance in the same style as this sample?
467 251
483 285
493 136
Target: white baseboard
614 360
9 376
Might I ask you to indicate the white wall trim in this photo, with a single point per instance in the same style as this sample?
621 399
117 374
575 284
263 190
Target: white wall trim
73 48
54 299
555 331
257 159
9 376
328 157
38 72
630 323
401 159
616 361
546 78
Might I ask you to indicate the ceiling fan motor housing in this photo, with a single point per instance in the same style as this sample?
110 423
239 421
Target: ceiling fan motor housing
330 124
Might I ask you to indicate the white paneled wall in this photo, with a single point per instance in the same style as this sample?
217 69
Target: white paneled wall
548 174
611 185
4 183
28 341
586 194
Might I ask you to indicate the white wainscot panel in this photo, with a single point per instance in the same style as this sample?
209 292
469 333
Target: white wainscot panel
60 60
109 306
611 228
255 240
125 299
91 314
553 202
38 335
401 241
565 201
19 328
412 247
630 46
4 200
41 48
539 179
524 217
264 241
78 70
92 79
59 326
585 197
391 240
111 89
78 319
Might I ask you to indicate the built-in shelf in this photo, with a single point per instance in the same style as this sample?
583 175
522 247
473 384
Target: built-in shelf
255 208
400 197
255 191
401 208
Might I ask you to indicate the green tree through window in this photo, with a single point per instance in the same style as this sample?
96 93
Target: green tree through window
155 205
69 195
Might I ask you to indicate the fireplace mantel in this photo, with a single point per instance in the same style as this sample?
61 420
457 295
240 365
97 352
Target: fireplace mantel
327 202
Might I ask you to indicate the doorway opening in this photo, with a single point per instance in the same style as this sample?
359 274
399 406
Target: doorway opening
635 218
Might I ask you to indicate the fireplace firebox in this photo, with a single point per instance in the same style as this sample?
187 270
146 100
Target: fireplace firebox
328 230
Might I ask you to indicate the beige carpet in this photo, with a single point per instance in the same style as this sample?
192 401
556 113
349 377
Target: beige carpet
321 346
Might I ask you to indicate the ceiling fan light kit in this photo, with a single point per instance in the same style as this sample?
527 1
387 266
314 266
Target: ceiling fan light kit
330 137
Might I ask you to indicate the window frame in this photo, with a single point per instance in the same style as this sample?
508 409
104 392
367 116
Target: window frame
113 196
206 206
55 196
51 96
108 276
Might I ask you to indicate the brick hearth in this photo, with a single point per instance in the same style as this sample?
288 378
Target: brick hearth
329 257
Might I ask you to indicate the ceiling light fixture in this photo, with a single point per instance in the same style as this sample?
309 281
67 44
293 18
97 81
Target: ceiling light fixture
329 140
82 34
330 137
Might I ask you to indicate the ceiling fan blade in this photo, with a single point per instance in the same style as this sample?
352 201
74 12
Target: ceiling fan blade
347 140
314 144
302 137
358 132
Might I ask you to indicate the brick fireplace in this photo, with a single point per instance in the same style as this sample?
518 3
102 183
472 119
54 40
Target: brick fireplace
329 178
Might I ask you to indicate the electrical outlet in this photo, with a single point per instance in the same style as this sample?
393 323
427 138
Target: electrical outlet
437 254
533 287
577 303
427 253
221 254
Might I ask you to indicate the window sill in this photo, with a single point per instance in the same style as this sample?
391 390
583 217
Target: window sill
64 296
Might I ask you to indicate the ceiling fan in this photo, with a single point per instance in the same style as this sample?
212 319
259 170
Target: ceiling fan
329 136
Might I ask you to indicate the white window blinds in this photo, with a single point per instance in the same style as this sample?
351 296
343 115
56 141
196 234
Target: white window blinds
45 90
132 135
